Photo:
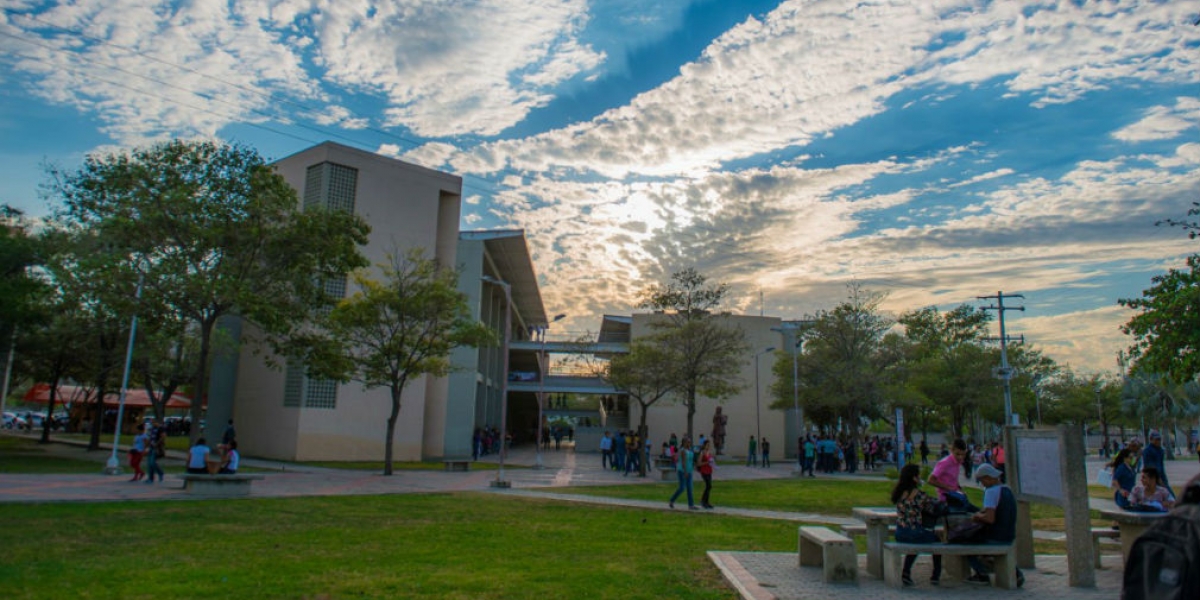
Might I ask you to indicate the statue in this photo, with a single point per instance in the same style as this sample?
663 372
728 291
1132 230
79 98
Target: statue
718 430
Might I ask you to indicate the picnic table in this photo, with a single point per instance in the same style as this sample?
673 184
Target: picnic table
878 519
1133 525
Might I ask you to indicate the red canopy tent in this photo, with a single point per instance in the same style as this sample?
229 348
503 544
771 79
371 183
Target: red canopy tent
73 394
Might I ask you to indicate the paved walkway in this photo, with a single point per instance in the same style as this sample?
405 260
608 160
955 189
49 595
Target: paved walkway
756 575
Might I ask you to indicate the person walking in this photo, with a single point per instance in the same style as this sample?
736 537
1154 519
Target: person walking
137 452
705 467
752 455
766 454
156 450
684 465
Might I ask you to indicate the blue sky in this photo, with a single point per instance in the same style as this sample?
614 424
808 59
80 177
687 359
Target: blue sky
934 150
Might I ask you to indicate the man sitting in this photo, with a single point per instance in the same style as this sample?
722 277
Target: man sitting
999 517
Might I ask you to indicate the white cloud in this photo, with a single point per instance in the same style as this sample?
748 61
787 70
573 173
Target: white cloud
1163 122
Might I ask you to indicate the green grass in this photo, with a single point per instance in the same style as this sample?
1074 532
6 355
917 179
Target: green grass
25 455
410 546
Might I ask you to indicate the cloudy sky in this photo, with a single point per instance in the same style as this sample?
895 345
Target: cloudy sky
936 150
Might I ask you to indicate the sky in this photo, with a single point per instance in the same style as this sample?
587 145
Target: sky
933 150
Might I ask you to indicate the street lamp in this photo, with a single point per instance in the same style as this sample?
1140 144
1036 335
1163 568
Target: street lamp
542 368
113 467
500 482
757 401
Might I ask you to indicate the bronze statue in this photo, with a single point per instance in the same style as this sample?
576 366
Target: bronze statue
718 430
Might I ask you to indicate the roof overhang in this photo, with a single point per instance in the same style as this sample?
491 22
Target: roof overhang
508 254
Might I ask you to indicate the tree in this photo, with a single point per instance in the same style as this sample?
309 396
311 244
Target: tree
212 230
954 368
708 351
1166 330
393 330
842 375
647 375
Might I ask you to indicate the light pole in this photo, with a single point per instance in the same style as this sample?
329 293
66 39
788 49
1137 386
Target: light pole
542 368
113 467
757 401
500 482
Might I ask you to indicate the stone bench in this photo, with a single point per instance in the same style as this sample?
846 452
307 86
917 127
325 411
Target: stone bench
1099 533
457 464
218 486
954 560
666 467
830 550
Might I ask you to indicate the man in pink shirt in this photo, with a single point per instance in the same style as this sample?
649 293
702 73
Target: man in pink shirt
945 472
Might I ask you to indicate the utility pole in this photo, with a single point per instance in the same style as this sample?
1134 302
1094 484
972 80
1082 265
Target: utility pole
1005 372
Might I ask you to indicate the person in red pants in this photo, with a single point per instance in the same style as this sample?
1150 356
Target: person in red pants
137 452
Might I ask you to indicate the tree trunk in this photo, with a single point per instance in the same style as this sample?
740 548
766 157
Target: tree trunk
645 450
201 383
389 444
691 410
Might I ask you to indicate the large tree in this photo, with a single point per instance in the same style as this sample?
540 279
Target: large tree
842 373
708 351
393 330
954 368
212 230
1166 330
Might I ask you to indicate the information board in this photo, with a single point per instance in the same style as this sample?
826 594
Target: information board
1041 469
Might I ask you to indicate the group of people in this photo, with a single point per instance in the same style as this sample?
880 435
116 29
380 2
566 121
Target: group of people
1151 492
759 449
686 460
623 452
150 446
996 520
230 458
485 440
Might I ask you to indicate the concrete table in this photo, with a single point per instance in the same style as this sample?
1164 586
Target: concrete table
878 519
1133 525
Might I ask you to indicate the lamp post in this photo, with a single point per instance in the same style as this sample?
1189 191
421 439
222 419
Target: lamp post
500 482
542 368
113 467
757 401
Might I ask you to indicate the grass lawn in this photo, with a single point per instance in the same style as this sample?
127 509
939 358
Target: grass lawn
469 545
25 455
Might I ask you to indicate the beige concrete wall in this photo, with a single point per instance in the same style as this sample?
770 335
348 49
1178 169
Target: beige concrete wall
670 416
406 206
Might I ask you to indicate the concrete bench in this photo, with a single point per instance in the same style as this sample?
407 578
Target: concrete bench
459 464
218 486
830 550
1099 533
954 560
666 467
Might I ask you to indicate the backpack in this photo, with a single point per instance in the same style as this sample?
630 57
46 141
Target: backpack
1164 563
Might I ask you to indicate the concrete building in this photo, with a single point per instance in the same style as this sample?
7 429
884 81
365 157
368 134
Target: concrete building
282 414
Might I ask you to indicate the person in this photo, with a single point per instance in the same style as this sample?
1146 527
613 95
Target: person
606 444
137 452
810 455
998 461
1164 562
945 473
1149 496
912 506
1123 478
752 453
924 452
766 454
705 468
198 458
1152 456
156 450
685 461
230 434
229 465
999 517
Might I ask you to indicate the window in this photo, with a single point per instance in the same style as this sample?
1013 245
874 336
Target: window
300 390
331 185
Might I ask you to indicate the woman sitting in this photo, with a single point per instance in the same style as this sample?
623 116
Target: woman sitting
229 465
1123 478
1149 496
912 507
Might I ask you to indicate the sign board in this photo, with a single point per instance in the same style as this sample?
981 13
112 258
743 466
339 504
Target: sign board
1041 468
